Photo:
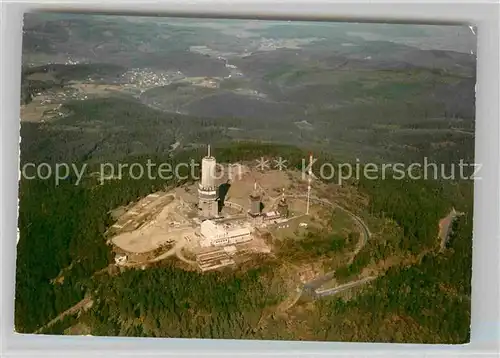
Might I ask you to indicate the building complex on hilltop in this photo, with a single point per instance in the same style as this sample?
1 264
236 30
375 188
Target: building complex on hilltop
217 231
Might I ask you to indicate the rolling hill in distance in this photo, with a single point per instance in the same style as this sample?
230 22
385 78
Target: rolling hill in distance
320 85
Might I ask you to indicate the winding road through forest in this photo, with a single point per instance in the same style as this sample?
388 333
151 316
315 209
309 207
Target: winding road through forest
311 286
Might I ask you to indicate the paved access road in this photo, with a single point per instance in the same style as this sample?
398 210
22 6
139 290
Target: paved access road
311 286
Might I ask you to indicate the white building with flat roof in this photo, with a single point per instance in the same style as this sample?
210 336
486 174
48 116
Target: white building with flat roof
222 234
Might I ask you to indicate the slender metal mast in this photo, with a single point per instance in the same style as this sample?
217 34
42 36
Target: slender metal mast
309 183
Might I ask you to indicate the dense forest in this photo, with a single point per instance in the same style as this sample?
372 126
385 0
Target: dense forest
428 302
62 246
62 237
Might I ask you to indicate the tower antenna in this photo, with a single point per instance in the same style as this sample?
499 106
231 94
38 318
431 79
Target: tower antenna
309 183
209 150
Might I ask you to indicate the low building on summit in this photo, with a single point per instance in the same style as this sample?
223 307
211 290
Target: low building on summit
221 234
271 215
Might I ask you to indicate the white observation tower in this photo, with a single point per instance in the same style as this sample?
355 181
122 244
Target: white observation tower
208 205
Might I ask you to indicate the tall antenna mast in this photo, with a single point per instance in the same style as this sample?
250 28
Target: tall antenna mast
309 183
209 150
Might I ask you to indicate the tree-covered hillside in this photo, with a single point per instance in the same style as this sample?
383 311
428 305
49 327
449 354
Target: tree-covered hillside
424 297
